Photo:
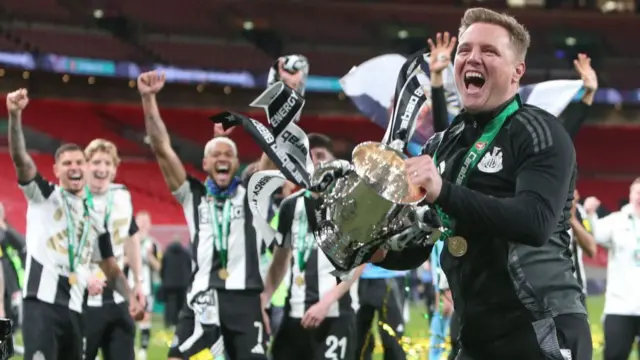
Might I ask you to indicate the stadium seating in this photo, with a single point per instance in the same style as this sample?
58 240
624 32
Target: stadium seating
38 10
75 122
9 45
609 149
200 18
209 54
351 32
66 40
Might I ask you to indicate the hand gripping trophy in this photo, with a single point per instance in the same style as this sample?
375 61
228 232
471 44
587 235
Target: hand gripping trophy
367 204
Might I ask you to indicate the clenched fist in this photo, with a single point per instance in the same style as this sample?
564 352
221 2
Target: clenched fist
422 172
17 100
151 82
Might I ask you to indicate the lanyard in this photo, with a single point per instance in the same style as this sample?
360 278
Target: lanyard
72 240
304 246
221 236
473 156
108 207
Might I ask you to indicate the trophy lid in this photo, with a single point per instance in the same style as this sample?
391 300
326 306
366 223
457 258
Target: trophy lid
382 167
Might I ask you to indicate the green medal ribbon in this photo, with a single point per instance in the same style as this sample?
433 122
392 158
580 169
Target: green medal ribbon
473 157
221 237
107 209
72 236
304 246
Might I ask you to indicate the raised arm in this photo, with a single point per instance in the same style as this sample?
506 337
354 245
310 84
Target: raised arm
573 121
25 167
149 84
439 60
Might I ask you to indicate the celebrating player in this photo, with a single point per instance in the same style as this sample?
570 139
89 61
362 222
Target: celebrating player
108 326
224 299
319 322
63 235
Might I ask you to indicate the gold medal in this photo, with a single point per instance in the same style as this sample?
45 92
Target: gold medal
457 246
73 279
223 274
299 280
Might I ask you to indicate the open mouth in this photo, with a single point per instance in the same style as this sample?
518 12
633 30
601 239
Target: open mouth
222 168
473 80
100 175
75 177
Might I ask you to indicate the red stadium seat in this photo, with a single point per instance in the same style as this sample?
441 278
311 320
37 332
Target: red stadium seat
75 122
39 10
210 54
609 149
199 18
8 45
76 42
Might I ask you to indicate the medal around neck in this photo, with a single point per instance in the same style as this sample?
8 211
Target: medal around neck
457 246
363 203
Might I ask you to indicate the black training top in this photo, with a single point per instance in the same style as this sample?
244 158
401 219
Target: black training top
514 212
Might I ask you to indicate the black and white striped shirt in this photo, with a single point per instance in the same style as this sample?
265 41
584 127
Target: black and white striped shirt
243 263
147 245
318 280
47 269
578 262
116 209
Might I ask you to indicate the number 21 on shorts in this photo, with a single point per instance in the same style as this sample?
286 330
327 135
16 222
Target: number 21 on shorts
336 348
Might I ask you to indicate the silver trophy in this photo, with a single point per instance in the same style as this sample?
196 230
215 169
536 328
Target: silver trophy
368 205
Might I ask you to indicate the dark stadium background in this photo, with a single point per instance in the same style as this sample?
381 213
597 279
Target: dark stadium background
79 60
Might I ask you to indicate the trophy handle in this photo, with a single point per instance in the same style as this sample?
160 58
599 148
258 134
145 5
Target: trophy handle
326 175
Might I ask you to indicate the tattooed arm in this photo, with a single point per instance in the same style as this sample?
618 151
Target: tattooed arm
25 167
149 84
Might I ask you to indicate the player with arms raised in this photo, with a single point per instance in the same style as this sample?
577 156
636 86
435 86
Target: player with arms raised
64 234
224 298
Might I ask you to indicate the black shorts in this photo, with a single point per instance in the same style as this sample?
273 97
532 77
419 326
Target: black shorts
334 339
51 332
565 337
239 331
111 329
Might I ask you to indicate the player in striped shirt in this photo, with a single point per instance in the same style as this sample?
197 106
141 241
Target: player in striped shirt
223 301
319 321
64 234
108 326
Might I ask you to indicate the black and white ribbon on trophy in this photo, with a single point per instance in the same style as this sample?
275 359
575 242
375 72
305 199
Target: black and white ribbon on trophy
283 142
409 100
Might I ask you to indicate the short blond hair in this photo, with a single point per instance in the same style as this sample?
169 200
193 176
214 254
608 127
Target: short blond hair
104 146
520 38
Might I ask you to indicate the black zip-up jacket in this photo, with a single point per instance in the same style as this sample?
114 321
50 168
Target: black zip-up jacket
514 212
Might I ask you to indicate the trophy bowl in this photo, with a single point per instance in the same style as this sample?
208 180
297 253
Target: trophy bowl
382 168
367 206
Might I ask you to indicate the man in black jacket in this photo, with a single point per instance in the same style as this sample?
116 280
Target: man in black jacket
175 273
502 178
